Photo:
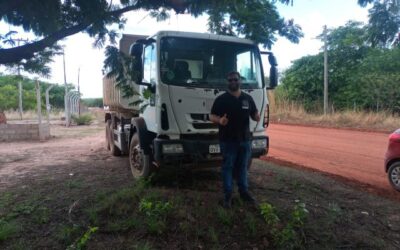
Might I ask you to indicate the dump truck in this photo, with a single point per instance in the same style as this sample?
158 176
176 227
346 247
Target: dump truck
181 74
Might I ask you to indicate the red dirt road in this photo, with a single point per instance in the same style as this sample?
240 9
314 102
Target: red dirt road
353 155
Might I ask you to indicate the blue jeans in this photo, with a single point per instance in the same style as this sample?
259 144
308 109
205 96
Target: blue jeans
236 156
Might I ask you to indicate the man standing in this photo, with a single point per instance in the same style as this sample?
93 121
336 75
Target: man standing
231 111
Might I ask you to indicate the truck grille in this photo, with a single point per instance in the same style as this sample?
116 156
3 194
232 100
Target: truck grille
200 117
202 121
205 125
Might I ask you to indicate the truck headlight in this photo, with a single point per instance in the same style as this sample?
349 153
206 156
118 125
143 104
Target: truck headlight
172 148
259 143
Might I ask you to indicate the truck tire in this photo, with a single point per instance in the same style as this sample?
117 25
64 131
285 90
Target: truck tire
108 122
139 162
115 151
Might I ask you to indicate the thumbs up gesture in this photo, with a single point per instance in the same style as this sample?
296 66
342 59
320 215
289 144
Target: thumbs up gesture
223 120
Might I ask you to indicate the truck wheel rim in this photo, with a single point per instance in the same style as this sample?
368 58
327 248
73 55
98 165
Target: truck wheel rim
395 176
136 158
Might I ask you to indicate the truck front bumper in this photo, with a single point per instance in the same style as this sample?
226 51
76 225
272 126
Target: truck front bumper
199 151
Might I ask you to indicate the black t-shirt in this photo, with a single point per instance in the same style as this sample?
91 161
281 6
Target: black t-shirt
238 111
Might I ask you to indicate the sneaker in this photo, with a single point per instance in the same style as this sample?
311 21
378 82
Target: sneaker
246 197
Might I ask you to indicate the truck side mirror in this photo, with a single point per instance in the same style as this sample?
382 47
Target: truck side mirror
136 50
273 77
273 71
272 60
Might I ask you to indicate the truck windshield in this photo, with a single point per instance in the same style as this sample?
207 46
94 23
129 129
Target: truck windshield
206 63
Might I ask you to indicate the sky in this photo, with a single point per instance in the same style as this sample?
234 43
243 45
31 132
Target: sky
311 15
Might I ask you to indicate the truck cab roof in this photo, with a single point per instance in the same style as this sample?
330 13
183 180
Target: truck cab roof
128 39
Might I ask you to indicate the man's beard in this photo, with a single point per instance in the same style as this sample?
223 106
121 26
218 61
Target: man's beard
233 86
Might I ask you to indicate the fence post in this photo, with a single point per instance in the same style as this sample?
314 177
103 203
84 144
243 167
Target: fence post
48 108
20 99
38 102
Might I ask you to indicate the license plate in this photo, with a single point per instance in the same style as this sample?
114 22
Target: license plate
214 149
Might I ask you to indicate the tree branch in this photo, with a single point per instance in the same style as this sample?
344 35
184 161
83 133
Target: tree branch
16 54
27 51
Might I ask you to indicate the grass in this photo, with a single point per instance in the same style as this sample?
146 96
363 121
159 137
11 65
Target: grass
13 115
150 216
7 229
284 111
94 115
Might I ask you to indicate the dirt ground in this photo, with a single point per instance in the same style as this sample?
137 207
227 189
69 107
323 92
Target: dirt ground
351 155
48 185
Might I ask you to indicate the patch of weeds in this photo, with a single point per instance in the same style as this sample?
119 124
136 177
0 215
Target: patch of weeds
155 226
20 244
74 184
334 212
67 233
197 199
41 215
291 235
296 185
93 215
25 208
178 200
118 203
5 199
185 227
155 213
213 234
251 224
269 214
84 119
82 241
225 216
7 229
154 208
143 246
123 225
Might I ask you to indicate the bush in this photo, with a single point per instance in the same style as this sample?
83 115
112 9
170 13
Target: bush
85 119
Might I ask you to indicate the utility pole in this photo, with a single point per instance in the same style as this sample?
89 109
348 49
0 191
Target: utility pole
325 71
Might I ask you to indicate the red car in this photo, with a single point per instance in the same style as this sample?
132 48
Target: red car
392 160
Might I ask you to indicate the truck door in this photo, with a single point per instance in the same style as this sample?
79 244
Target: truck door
148 93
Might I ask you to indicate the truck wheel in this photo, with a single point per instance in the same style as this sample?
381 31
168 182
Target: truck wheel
139 162
115 151
108 134
394 175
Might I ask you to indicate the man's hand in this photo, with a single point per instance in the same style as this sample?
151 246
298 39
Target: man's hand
223 120
256 117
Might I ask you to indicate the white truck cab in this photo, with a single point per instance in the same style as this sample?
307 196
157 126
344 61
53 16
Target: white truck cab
182 74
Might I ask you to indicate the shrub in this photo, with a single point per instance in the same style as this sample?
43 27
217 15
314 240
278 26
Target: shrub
85 119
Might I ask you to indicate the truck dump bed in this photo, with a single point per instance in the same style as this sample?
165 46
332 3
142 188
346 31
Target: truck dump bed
112 95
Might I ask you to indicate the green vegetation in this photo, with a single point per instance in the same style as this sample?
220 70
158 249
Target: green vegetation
291 235
93 102
84 119
99 18
7 229
104 212
362 77
82 241
9 94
